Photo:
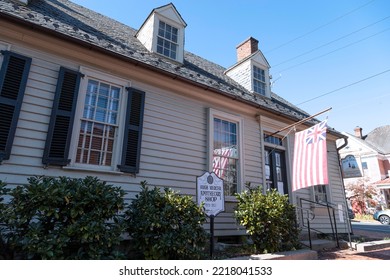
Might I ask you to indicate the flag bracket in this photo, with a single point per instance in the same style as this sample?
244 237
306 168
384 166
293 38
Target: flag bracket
298 122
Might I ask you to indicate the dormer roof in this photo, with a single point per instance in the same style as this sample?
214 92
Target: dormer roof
168 11
257 56
163 32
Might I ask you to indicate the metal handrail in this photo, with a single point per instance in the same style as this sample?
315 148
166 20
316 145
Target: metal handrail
308 218
332 223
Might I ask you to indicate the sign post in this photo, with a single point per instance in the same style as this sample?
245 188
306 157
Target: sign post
210 193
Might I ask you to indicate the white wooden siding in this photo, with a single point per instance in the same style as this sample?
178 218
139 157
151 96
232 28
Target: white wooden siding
174 139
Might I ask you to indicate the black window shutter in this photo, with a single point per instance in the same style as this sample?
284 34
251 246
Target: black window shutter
133 131
59 133
13 80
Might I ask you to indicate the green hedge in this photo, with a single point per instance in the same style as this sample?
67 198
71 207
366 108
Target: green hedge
166 225
62 218
269 218
65 218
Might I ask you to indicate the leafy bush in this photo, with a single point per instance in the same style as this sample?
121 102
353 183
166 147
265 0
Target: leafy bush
63 218
3 191
4 248
166 225
269 219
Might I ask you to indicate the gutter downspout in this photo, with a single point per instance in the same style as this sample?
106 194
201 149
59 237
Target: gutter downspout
342 183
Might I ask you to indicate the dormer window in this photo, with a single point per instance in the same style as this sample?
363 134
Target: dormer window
259 84
163 33
167 40
252 69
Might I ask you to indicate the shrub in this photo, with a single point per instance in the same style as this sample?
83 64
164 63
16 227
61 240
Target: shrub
166 225
63 218
269 219
4 248
3 191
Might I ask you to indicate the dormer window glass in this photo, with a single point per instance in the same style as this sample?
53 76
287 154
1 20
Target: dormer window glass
259 85
167 43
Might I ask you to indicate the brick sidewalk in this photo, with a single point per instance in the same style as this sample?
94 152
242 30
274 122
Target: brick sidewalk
348 254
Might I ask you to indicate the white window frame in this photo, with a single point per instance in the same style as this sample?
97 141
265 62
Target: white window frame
327 195
119 134
180 37
171 42
213 113
260 81
3 47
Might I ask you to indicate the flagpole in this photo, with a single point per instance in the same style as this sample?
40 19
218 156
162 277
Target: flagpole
299 122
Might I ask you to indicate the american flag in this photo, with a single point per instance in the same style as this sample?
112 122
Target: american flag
310 165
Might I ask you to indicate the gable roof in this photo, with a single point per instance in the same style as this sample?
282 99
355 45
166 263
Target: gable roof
161 9
75 23
377 140
380 139
361 142
258 56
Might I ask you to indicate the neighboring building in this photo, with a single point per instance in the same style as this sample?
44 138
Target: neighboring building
366 159
82 94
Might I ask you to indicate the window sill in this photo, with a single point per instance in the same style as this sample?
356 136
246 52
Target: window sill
83 169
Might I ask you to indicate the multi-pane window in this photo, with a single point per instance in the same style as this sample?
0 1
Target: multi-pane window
167 40
259 85
98 124
320 193
225 154
273 139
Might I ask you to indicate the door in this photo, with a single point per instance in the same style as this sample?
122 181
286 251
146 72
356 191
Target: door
275 170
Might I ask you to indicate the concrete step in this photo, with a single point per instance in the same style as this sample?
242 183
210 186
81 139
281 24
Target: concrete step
320 244
303 254
371 245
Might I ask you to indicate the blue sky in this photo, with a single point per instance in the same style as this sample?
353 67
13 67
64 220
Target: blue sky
322 53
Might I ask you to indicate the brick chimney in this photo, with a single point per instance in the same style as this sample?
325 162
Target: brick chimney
358 132
247 48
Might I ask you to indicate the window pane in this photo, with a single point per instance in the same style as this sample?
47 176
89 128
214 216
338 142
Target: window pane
273 139
266 157
279 174
225 154
115 92
100 115
320 193
102 102
104 89
233 128
277 159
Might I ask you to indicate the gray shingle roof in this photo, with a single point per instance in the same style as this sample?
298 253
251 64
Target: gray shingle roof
65 18
380 139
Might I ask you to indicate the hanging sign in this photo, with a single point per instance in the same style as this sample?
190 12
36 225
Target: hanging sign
210 192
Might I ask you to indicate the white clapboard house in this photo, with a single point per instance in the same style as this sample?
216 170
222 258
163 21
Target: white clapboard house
82 94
